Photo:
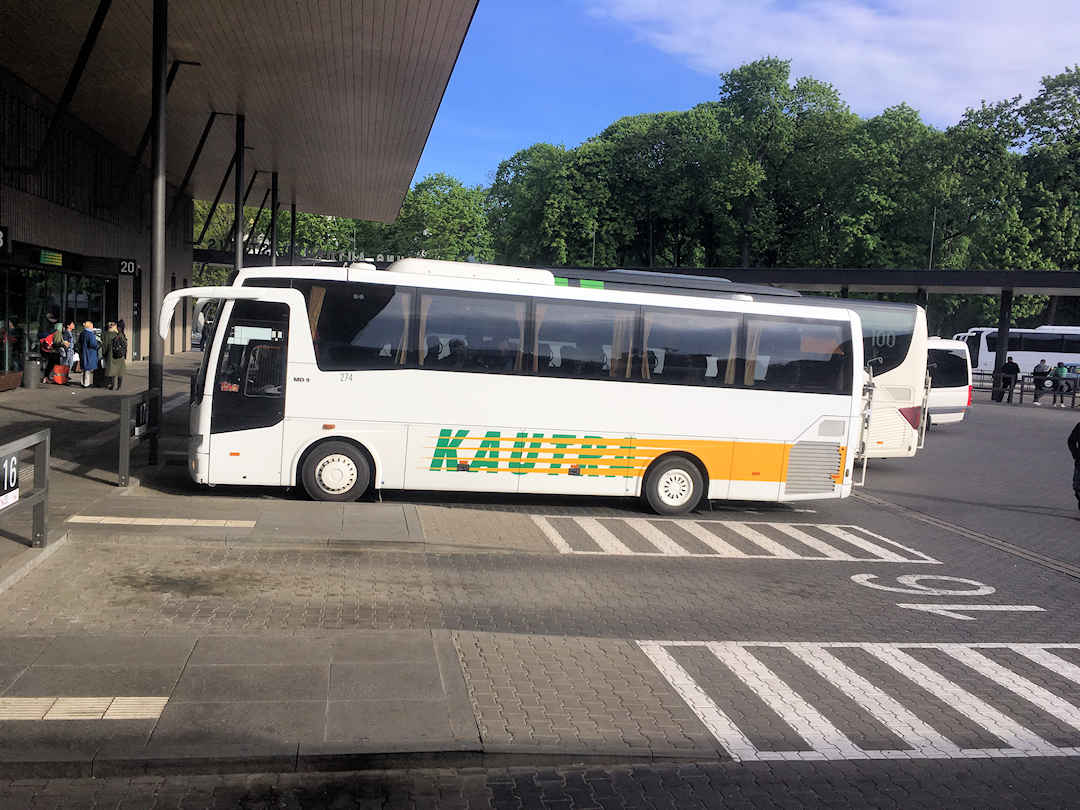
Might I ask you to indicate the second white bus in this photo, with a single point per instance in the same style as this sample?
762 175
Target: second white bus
445 376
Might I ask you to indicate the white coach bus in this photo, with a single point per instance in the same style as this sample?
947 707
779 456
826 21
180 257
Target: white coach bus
894 346
1026 346
453 376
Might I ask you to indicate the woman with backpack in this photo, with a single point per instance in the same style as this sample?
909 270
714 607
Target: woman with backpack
114 349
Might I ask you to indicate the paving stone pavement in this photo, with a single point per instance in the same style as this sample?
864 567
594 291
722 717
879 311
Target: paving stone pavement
572 694
683 786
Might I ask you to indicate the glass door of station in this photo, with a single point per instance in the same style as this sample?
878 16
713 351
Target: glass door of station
29 295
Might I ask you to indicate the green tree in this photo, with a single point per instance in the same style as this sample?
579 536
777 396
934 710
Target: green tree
443 219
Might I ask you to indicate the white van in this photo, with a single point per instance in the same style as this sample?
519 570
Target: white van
950 380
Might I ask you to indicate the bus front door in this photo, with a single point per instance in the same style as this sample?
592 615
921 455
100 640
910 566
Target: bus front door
247 413
261 334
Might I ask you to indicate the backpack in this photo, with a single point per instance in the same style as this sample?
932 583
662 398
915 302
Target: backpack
47 342
118 349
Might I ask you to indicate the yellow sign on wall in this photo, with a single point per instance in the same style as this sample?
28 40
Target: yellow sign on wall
51 257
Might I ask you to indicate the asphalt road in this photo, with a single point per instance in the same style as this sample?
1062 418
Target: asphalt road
774 634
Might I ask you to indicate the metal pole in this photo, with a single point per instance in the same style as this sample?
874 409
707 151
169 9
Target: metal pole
214 204
1004 316
123 465
73 80
157 252
933 233
192 164
292 233
255 223
238 201
41 483
273 219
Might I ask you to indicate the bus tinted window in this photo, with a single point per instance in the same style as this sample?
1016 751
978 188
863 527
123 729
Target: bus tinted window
690 348
358 326
991 342
886 334
583 340
948 368
1071 344
797 355
483 333
1040 342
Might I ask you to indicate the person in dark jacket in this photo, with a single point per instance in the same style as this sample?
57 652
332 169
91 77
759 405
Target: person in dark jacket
1074 448
1039 375
88 353
114 351
1010 373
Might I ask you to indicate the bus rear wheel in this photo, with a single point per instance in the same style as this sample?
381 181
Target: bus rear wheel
336 471
674 486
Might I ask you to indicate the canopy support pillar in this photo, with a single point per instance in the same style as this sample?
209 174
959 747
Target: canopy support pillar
1002 352
157 217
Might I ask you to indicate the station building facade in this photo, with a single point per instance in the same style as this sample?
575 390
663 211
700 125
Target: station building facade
75 230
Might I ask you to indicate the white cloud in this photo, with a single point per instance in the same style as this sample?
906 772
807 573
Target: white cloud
940 56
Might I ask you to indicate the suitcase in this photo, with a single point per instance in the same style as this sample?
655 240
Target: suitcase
60 374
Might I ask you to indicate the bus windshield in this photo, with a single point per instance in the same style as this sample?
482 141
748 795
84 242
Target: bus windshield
887 334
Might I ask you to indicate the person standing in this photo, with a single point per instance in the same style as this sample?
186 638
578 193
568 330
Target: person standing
67 353
88 353
1074 448
1058 376
1039 375
114 350
50 340
1010 373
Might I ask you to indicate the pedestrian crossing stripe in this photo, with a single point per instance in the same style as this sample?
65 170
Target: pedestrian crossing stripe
812 726
752 540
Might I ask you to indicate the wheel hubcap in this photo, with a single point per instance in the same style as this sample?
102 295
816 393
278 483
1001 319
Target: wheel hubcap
675 487
336 474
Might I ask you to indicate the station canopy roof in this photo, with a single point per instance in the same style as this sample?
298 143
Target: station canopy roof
339 95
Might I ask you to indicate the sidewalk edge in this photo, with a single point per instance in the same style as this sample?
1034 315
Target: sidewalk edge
26 561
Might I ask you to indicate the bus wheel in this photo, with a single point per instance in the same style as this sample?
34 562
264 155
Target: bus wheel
674 486
336 471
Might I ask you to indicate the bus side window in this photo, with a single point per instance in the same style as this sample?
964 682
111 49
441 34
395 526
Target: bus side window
690 348
797 355
360 326
583 340
472 332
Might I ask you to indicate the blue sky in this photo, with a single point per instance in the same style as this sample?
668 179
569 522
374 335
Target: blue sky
561 70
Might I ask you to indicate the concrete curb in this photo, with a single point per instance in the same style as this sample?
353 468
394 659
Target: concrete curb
301 758
26 561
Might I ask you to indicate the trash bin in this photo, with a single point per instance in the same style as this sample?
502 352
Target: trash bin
31 373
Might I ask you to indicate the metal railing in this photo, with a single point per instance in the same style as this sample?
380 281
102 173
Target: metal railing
1025 386
39 495
135 427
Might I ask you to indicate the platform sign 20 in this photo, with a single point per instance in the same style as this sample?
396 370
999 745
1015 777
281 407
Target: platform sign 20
9 487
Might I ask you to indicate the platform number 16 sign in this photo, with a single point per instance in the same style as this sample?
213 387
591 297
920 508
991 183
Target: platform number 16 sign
9 487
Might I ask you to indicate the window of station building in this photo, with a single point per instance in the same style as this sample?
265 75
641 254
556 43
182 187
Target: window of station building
358 326
583 341
684 347
1040 342
797 355
478 333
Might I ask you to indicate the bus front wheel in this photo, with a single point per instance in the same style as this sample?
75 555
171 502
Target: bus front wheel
336 471
674 486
